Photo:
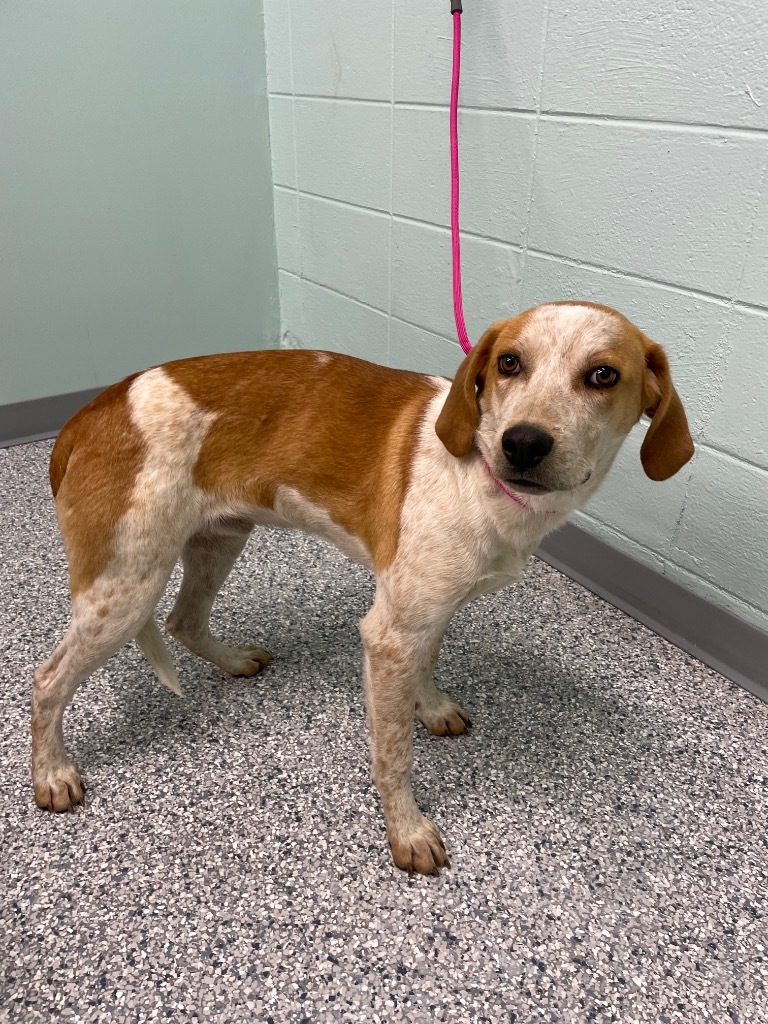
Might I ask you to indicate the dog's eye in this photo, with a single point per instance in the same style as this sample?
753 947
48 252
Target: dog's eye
602 377
509 365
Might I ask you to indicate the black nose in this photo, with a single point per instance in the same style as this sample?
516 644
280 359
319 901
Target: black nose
525 445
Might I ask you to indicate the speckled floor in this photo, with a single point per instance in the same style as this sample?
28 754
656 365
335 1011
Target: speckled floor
607 818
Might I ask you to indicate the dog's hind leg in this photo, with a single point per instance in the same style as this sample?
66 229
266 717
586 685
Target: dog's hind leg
435 709
207 558
112 611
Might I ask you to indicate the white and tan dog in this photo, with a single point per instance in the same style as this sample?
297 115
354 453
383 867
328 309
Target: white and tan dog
443 490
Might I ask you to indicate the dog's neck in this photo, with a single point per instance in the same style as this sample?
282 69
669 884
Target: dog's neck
517 498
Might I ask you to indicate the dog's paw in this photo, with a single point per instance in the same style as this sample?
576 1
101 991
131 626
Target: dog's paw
243 660
240 660
421 849
445 718
58 788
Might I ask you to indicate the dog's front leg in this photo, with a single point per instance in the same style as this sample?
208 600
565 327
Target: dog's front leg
398 657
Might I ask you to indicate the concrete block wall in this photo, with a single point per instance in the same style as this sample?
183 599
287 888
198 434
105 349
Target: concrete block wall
614 154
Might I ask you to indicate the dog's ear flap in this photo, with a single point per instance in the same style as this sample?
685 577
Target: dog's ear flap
460 416
667 445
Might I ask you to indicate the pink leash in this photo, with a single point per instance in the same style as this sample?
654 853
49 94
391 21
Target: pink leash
458 309
510 494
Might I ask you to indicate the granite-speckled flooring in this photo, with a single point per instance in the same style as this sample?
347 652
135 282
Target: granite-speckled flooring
607 818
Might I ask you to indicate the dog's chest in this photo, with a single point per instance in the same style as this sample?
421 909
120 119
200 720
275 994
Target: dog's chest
499 571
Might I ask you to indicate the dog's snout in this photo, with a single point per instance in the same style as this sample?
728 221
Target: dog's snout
525 445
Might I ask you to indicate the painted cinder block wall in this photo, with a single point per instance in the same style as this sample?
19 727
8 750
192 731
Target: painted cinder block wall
136 209
609 153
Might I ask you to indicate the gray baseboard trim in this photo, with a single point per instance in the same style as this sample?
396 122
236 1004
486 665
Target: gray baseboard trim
732 647
39 418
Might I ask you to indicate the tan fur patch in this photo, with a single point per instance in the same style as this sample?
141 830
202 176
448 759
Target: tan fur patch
340 432
94 464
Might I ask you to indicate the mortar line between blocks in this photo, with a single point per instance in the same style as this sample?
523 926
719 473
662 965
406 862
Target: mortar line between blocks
401 217
562 116
391 179
679 289
737 460
349 100
724 349
372 309
296 165
689 127
534 151
271 178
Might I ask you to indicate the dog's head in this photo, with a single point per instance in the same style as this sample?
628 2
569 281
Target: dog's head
548 397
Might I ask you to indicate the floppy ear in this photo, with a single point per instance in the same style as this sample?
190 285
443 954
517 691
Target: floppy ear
460 416
667 445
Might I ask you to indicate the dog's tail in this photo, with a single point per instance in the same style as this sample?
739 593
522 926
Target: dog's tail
150 640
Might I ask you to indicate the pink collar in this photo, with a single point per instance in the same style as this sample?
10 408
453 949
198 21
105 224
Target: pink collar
511 494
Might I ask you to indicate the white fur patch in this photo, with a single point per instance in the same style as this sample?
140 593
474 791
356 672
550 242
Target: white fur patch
165 505
299 512
173 427
164 508
460 534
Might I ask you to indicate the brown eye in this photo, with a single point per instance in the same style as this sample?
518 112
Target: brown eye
602 377
509 365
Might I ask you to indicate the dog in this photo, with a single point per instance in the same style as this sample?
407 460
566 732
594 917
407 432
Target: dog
444 489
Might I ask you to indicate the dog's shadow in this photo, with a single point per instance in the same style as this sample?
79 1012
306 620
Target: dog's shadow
315 647
531 713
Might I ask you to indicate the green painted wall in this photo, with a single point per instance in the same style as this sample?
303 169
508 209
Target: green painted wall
136 209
